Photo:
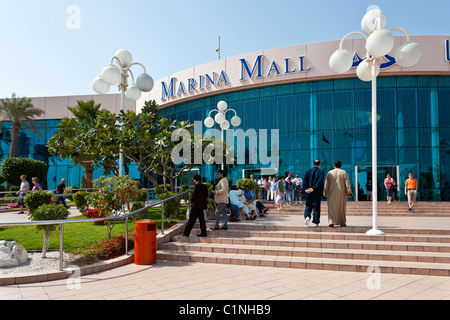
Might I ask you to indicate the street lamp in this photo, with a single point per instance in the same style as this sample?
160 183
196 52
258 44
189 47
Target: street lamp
220 119
117 74
379 42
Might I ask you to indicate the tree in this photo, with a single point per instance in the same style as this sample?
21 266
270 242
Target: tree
87 139
113 196
22 113
147 141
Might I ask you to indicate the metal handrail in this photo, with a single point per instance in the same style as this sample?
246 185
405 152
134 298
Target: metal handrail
121 217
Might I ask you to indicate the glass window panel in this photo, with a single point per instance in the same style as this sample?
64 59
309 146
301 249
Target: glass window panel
387 156
444 107
407 106
386 108
346 156
287 108
324 111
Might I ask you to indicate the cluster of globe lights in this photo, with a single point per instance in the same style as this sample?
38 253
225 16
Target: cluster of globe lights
220 118
118 74
379 42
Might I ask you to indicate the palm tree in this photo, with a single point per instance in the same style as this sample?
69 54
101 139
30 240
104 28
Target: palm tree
22 113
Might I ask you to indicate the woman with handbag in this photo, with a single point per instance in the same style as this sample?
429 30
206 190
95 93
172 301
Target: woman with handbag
390 185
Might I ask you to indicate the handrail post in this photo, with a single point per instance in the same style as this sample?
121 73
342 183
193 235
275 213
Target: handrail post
162 218
126 236
61 246
189 205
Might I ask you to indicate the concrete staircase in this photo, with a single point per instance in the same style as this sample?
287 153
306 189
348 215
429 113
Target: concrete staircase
404 251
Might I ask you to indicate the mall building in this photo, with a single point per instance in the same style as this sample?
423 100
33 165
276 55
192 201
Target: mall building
317 113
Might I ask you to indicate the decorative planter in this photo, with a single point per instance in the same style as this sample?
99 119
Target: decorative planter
98 215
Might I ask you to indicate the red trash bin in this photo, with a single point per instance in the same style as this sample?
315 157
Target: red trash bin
145 242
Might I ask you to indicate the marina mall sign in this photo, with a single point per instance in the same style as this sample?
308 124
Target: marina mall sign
289 64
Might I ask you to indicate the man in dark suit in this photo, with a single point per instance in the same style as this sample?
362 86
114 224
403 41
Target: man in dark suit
199 200
313 183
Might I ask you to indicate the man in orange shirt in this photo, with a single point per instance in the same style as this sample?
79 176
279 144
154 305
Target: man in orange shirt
411 191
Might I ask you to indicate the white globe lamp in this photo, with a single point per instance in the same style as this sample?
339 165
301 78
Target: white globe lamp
364 70
408 54
133 93
222 106
100 85
209 122
370 20
341 61
236 121
144 83
125 57
111 75
219 118
380 43
225 125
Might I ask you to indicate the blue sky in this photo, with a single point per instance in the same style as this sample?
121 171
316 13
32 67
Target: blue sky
41 56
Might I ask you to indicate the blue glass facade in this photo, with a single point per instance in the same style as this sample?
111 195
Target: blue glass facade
327 120
32 146
330 120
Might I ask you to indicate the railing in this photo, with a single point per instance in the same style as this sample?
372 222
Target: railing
122 217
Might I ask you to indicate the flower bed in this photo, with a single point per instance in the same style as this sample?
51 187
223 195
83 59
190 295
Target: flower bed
106 249
9 207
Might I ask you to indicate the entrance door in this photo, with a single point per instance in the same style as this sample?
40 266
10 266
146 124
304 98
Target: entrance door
364 173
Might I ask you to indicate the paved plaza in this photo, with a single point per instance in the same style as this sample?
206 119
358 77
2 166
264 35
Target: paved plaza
172 280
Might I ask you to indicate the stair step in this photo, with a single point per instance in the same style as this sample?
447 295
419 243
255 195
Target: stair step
445 239
323 243
430 257
402 267
251 226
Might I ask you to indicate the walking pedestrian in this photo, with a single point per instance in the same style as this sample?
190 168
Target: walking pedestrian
36 185
273 189
221 198
369 190
289 190
390 186
199 201
281 191
313 182
337 190
60 189
297 184
411 186
24 189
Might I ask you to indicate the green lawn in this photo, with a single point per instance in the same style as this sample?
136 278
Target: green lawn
78 236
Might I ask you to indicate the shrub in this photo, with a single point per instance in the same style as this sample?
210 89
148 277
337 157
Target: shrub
171 207
136 206
141 195
80 199
110 248
48 212
13 168
113 196
35 199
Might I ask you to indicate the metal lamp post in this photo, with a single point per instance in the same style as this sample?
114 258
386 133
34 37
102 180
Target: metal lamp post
117 74
220 119
379 42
